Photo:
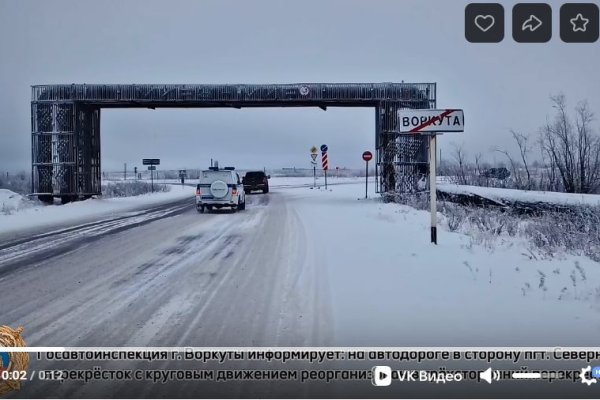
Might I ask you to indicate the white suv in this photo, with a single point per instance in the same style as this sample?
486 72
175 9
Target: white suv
220 188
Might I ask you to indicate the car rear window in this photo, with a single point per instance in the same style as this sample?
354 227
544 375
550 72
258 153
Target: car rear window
211 176
255 174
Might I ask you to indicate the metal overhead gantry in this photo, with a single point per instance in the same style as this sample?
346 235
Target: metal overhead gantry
65 124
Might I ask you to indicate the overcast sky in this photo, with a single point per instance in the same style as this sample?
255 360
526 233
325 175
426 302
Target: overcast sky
499 86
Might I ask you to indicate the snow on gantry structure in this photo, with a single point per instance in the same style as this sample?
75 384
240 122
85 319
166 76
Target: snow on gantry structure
65 121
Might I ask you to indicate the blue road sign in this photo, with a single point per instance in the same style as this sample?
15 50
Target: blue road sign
323 147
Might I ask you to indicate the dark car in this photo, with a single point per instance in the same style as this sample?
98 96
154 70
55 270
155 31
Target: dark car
497 173
256 180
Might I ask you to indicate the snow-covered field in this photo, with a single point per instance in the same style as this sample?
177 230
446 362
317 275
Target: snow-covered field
390 285
281 181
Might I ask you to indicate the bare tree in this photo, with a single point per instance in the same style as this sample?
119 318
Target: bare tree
573 148
522 142
461 171
549 176
479 179
588 148
514 167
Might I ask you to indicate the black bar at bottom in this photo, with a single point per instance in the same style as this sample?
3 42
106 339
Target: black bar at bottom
434 234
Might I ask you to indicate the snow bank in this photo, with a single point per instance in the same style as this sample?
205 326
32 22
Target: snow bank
46 215
529 196
11 202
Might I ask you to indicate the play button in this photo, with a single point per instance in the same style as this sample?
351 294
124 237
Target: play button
382 376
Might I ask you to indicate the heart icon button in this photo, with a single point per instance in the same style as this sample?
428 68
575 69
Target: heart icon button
485 22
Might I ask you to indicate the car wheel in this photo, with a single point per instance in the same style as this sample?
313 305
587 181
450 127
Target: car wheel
200 209
242 206
266 190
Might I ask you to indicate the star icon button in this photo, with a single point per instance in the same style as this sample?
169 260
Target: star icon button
579 23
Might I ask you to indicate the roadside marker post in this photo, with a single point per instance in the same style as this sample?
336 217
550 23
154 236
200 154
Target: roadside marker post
325 161
152 168
367 156
431 122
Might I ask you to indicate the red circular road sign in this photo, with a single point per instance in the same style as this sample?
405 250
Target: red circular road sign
367 156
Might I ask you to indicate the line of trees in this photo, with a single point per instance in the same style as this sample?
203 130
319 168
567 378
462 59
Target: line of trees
567 149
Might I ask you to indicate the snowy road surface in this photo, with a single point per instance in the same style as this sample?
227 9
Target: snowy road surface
299 267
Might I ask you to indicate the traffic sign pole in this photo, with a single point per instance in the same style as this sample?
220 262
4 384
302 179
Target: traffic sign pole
431 122
432 188
366 179
313 156
367 156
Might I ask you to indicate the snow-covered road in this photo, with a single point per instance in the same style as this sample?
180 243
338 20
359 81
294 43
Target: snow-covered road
299 267
185 279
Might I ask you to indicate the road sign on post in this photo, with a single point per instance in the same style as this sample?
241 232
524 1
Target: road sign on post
431 122
313 156
324 161
367 156
182 175
152 162
152 168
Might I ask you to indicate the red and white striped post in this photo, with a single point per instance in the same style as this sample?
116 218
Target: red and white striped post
325 162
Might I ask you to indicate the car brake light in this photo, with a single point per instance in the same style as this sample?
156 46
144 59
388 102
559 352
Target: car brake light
198 192
234 191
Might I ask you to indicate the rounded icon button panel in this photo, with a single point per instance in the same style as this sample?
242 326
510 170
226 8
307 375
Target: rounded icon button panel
532 22
484 22
579 22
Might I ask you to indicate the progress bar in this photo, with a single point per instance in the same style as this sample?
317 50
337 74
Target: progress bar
526 375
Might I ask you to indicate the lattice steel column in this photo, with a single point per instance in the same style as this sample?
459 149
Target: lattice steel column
88 151
402 159
41 149
53 131
387 131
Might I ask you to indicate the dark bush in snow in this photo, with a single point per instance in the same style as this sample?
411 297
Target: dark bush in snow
131 188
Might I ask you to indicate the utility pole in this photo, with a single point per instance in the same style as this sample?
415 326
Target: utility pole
125 172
